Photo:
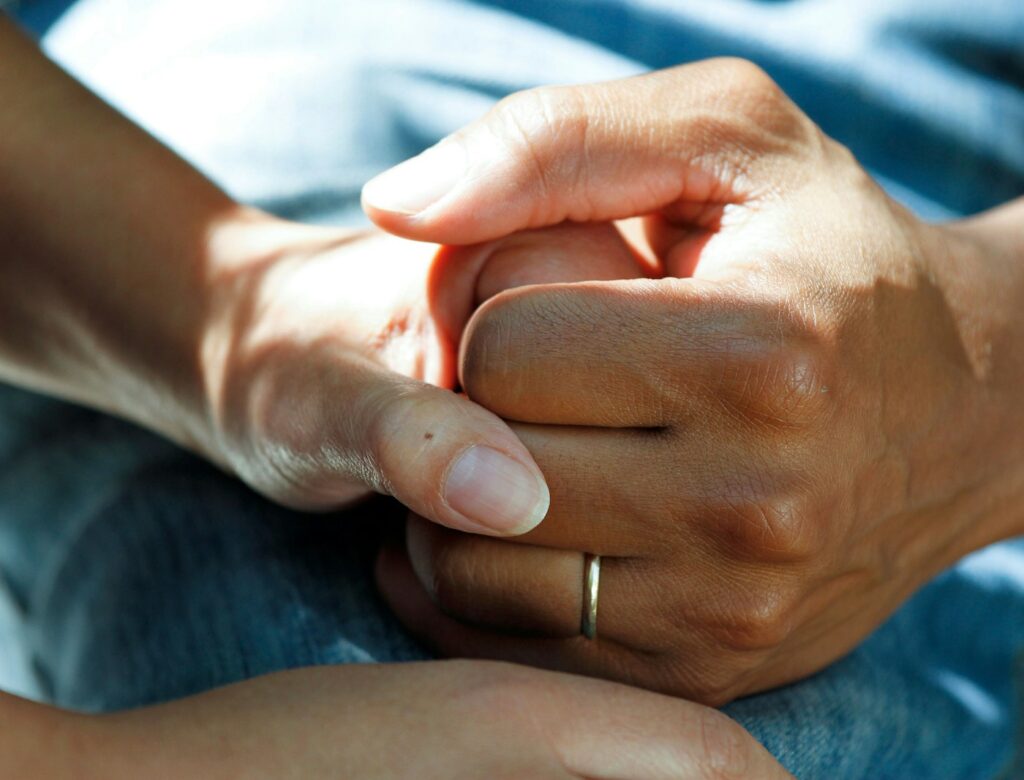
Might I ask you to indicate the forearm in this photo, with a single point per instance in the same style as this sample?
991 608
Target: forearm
104 250
44 742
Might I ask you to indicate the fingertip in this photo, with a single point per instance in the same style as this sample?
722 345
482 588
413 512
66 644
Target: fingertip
454 462
397 198
496 490
438 226
394 222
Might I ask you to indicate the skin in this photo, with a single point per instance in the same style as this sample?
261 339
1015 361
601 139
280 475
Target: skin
310 362
813 413
464 719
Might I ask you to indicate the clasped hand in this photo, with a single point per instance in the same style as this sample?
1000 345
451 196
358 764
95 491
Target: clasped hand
771 447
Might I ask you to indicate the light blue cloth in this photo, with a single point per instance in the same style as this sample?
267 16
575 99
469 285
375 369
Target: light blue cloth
131 572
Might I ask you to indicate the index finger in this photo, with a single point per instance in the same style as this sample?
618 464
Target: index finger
707 132
636 353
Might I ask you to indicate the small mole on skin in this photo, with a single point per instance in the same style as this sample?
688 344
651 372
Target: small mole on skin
428 436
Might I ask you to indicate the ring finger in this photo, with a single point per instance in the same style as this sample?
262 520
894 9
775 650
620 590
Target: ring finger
525 589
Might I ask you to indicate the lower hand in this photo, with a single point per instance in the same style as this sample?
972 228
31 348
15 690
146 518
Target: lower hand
425 720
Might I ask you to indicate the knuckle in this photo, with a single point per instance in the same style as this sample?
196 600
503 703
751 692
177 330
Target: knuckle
778 529
385 412
759 621
540 116
521 124
297 449
486 368
743 77
711 683
513 336
764 114
540 128
388 416
790 388
786 379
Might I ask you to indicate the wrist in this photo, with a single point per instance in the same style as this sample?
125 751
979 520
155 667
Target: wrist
104 239
979 266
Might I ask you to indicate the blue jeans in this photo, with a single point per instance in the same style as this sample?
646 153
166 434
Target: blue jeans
131 572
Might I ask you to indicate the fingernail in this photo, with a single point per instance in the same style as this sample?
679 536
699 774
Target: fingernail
496 491
415 184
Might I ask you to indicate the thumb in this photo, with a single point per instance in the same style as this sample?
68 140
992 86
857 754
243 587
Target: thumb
443 455
472 472
450 459
715 132
360 425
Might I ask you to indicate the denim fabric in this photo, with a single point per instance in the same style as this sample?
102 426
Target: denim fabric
131 572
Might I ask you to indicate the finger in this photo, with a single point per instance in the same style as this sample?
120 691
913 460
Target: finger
707 495
517 588
438 453
565 253
697 607
462 277
650 736
643 353
715 131
601 505
688 670
437 450
413 606
679 246
522 588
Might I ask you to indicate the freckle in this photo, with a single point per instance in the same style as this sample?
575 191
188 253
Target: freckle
428 436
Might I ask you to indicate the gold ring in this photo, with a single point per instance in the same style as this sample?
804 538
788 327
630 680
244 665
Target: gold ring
591 585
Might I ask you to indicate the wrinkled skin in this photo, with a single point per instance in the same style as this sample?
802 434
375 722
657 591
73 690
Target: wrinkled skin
812 414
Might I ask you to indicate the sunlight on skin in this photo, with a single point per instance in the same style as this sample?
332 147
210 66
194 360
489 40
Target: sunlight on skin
814 412
125 258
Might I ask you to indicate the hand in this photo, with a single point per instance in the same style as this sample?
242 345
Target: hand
773 448
328 359
316 364
427 720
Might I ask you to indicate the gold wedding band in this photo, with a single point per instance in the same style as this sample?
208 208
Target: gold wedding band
591 585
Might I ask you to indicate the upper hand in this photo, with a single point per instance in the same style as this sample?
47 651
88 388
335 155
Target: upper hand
773 447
